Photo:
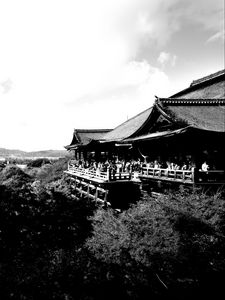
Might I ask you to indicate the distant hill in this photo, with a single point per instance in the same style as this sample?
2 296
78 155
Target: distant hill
22 154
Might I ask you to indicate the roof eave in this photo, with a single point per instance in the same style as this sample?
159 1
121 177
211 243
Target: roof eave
158 135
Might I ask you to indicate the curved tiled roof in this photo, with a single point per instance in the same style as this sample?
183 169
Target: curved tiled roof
128 128
207 114
201 105
158 134
211 86
208 77
197 106
85 136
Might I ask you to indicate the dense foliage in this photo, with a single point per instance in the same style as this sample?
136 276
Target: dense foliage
175 244
47 172
37 163
36 226
55 246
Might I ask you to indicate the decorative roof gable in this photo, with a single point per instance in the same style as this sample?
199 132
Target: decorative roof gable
206 114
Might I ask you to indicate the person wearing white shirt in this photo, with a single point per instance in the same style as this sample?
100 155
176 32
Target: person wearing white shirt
205 167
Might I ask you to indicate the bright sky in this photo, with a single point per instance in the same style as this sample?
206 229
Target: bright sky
68 64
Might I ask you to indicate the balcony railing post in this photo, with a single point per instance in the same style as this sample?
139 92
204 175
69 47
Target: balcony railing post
194 175
108 175
96 194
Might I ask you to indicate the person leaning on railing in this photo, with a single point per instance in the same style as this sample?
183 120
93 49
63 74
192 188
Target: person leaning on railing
204 171
184 167
205 167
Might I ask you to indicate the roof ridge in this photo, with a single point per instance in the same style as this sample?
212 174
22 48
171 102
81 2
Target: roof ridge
198 82
189 101
91 130
205 78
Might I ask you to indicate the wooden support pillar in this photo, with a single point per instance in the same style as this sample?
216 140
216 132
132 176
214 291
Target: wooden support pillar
75 184
105 197
76 154
88 191
108 173
96 194
84 154
97 155
195 175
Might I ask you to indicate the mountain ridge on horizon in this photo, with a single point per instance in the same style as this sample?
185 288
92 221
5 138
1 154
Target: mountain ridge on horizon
4 152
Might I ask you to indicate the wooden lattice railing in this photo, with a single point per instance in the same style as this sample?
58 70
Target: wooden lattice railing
97 174
175 175
188 176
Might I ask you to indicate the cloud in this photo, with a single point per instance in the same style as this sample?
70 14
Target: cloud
6 86
76 63
129 82
167 58
208 13
156 21
219 36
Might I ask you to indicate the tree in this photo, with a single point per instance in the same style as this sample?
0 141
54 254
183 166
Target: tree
39 162
35 225
175 244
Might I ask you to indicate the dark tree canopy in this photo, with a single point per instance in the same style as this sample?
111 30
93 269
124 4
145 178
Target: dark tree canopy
55 246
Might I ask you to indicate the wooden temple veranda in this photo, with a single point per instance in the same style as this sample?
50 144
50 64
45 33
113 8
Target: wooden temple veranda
189 126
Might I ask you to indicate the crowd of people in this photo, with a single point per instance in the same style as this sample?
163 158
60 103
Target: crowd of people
171 165
115 165
122 165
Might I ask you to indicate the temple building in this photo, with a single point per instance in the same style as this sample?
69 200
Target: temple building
85 141
186 128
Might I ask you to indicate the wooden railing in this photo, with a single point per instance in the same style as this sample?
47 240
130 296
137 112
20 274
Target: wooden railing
188 176
99 175
173 175
87 172
211 176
